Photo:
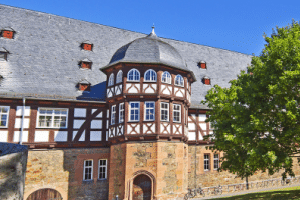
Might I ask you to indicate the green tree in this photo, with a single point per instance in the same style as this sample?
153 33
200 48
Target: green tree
256 120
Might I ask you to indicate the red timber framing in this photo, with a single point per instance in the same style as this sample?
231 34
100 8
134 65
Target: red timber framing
195 120
91 109
142 91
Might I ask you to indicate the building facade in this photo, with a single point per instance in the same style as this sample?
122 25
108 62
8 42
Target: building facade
106 111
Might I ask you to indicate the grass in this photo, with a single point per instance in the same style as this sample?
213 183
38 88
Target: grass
279 194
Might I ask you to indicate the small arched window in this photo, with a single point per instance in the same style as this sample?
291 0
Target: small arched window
111 80
133 75
150 75
179 80
166 78
119 77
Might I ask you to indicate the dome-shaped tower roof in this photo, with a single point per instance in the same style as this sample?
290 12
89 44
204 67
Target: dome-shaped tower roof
149 49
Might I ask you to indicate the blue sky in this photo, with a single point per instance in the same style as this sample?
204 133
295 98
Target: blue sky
235 25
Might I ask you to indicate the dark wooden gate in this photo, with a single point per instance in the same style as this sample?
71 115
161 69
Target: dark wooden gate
141 188
45 194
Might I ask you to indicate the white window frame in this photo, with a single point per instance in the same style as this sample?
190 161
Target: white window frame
133 75
105 166
85 167
130 109
52 118
7 115
206 163
168 77
111 79
216 161
164 109
177 111
153 76
113 115
145 105
119 77
121 113
181 80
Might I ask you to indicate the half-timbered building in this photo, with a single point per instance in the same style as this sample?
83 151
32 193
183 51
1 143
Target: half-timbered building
106 111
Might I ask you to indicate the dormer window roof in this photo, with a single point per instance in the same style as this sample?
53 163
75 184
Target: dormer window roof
3 54
202 64
206 80
8 33
84 85
86 64
87 45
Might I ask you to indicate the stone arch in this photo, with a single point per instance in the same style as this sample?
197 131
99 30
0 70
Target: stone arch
63 194
135 175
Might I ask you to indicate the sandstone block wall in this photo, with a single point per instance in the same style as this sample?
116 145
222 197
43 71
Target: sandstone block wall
13 159
62 170
200 178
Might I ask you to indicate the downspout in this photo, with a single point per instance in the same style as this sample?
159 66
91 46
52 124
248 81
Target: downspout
22 121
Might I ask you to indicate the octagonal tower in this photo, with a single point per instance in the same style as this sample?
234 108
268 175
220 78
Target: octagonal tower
148 94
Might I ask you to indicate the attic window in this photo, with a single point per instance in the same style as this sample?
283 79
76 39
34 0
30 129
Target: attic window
7 33
87 46
206 80
84 86
202 64
3 54
86 64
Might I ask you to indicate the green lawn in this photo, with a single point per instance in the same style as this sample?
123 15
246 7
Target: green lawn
280 194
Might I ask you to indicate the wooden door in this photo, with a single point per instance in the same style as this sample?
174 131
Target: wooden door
45 194
141 188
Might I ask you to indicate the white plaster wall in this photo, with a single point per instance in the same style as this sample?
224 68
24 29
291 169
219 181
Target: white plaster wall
96 124
200 136
19 111
79 112
191 126
3 136
61 136
18 123
82 138
192 136
24 136
41 136
95 135
78 123
202 117
99 115
203 126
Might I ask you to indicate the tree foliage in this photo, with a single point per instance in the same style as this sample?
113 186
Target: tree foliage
256 120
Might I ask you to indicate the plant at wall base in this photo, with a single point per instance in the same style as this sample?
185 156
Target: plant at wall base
256 120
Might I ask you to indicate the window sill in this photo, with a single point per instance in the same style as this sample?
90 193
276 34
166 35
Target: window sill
150 81
52 127
3 127
164 121
149 120
182 86
177 122
86 181
102 179
133 121
133 81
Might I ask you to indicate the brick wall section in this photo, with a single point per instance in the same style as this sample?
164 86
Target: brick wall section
212 177
62 170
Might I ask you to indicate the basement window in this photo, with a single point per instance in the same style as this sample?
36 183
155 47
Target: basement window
86 64
7 33
202 64
87 46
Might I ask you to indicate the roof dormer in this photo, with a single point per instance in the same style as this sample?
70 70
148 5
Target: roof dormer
87 45
3 54
8 33
84 85
85 64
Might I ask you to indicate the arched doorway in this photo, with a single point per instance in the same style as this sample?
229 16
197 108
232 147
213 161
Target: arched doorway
45 194
141 188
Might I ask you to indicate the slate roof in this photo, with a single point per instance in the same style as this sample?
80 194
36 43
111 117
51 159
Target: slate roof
44 57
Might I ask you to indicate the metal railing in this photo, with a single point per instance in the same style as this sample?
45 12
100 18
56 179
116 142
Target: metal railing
232 188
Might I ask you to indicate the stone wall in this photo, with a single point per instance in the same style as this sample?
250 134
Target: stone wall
13 159
200 178
62 170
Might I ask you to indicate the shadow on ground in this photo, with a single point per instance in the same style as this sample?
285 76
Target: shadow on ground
273 195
